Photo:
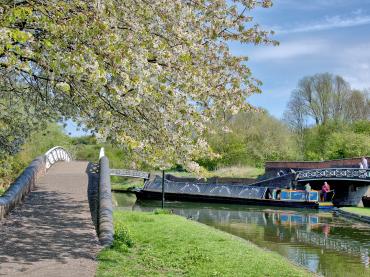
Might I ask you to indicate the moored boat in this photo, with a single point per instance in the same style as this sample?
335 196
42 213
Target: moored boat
230 193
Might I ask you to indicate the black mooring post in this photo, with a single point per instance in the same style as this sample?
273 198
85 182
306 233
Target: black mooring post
162 189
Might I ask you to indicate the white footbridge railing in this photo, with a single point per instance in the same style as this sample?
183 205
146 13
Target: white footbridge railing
56 154
26 181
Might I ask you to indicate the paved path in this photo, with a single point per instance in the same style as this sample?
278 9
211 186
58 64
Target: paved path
51 234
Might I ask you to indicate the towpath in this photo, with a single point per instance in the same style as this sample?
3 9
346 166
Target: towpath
51 233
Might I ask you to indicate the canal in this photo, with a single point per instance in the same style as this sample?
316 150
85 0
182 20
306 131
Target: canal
320 241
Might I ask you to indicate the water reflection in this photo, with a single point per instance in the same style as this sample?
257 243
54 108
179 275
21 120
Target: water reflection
323 243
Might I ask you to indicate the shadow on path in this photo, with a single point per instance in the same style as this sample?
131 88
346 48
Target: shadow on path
92 172
53 226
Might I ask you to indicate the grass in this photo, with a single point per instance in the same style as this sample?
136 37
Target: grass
125 187
123 184
2 190
231 171
357 210
239 172
178 173
148 244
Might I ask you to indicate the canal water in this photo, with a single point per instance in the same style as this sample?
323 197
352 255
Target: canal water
320 241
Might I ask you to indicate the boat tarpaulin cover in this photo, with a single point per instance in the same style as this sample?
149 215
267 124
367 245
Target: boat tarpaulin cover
209 189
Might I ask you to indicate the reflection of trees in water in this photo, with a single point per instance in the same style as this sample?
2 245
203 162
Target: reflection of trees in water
294 228
340 245
306 238
123 201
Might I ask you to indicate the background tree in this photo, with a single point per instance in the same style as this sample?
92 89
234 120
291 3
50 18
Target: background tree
321 96
337 140
295 116
357 106
327 102
147 75
324 97
252 139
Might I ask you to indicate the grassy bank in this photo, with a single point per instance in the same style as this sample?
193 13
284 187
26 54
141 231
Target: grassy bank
123 184
168 245
239 172
230 171
357 210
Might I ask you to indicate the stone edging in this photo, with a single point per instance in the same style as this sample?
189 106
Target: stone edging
22 186
105 207
363 218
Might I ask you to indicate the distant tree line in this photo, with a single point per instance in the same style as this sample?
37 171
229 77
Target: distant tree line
324 119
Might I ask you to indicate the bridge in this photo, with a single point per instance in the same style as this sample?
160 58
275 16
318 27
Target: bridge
349 184
130 173
346 174
51 233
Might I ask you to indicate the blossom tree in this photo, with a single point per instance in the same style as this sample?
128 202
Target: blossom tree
145 74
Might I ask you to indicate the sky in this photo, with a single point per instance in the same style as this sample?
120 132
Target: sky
316 36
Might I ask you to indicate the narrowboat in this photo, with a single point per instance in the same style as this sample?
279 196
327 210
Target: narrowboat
230 193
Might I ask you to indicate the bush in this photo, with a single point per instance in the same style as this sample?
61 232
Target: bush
255 137
337 140
122 238
347 144
361 127
162 211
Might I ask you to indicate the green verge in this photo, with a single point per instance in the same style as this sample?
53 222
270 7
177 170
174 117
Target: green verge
230 171
357 210
124 187
124 184
160 244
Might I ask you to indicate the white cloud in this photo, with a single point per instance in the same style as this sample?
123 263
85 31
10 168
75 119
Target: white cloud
357 81
354 65
288 50
280 68
332 22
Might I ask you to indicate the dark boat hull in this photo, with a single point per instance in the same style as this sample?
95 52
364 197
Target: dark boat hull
153 195
366 201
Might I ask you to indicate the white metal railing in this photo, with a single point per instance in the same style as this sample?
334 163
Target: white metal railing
129 173
101 153
334 173
56 154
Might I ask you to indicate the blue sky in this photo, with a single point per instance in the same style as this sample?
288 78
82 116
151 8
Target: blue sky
315 36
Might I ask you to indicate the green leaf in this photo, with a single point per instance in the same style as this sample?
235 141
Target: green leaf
20 36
